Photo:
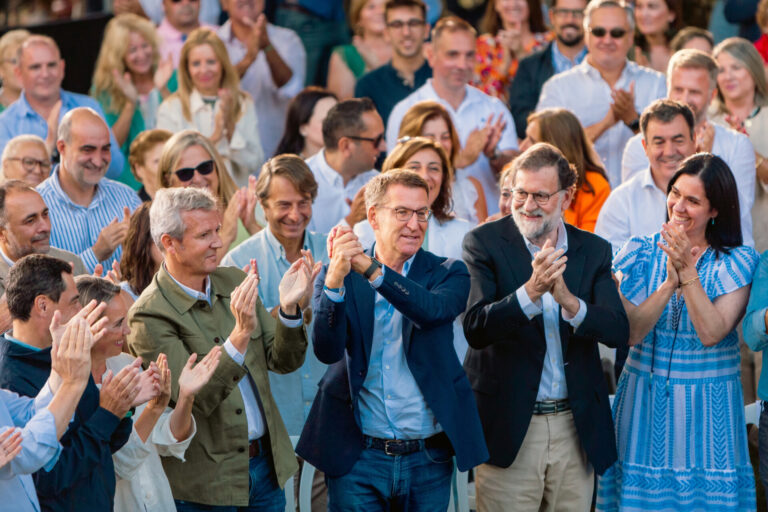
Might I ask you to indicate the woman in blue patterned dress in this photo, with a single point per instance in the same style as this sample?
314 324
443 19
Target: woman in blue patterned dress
679 411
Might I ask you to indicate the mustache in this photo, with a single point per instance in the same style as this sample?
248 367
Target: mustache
42 237
571 25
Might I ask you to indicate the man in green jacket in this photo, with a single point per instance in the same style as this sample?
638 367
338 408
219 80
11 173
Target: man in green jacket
241 455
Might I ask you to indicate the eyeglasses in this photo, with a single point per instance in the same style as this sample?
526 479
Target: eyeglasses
403 214
376 141
616 33
178 1
520 196
203 169
412 24
29 163
563 12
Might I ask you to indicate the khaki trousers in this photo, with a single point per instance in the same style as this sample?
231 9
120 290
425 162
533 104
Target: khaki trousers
550 473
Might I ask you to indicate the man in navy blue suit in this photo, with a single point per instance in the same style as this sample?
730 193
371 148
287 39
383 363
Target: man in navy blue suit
395 404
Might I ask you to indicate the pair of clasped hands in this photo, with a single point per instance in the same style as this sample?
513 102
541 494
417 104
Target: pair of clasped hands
681 255
346 254
547 276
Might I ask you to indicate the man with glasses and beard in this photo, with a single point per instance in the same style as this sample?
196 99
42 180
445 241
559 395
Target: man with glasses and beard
606 91
560 55
89 213
541 297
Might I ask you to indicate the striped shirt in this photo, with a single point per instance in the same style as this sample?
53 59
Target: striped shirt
76 228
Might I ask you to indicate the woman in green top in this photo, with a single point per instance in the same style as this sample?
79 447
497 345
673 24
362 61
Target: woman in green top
131 80
9 45
369 48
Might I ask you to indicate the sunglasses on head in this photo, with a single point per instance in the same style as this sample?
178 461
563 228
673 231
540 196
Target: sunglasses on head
202 168
615 33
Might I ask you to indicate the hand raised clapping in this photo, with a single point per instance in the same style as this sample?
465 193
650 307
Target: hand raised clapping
548 266
682 255
296 284
193 378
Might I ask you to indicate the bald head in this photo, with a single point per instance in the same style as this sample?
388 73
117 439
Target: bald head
83 142
40 69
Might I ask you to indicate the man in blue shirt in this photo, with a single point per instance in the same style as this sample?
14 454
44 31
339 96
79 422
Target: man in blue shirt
89 213
43 102
408 70
395 404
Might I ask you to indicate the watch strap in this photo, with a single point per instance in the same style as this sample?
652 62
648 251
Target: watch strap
371 268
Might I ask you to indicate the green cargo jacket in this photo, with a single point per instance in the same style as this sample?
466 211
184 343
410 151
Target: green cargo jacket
166 319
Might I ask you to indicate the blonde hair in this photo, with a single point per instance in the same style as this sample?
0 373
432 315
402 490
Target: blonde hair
112 57
745 52
229 78
422 112
172 151
762 15
13 39
400 155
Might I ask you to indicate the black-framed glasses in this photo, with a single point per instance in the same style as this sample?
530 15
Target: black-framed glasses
29 163
412 24
376 141
202 168
563 12
520 196
615 33
403 214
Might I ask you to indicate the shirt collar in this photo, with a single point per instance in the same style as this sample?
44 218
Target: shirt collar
192 292
328 173
273 242
66 98
646 180
196 101
6 258
559 55
56 187
167 29
562 240
10 337
225 32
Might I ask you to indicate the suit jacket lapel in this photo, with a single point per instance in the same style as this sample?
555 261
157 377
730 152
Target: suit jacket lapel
418 273
363 296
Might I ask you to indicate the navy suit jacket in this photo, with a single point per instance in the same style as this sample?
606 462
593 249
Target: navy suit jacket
524 91
507 350
431 296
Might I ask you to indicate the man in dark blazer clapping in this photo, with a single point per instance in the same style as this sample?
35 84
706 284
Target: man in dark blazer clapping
541 298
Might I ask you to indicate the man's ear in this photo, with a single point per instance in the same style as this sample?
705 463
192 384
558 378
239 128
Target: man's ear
167 241
41 303
371 214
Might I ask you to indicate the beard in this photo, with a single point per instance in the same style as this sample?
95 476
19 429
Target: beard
571 41
534 230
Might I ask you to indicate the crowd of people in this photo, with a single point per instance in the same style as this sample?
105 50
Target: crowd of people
391 250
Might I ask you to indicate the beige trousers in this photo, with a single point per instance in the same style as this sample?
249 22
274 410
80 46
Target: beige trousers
550 473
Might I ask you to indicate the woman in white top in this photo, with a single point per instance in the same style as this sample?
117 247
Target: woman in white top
210 101
445 231
157 429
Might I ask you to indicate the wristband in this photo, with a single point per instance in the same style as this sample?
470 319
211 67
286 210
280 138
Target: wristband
691 280
130 412
371 268
291 317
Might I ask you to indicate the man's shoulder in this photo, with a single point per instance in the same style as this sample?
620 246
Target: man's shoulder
420 94
75 99
283 35
537 58
70 257
727 137
249 248
493 230
647 72
226 279
587 239
117 189
372 79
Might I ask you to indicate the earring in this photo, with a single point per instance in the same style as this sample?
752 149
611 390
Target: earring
713 221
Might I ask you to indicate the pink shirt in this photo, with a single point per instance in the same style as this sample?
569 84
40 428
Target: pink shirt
171 40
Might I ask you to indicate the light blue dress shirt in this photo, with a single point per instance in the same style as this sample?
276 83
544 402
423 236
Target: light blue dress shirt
40 447
391 404
253 414
19 118
552 385
76 228
293 392
562 63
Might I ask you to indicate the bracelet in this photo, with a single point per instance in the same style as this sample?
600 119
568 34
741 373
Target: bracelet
691 280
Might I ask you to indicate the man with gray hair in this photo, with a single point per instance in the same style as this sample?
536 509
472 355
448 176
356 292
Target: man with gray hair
191 306
606 91
542 296
90 214
692 80
25 158
43 102
394 406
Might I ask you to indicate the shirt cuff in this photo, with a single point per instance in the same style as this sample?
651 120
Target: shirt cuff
291 323
335 297
529 308
235 354
377 282
44 397
578 317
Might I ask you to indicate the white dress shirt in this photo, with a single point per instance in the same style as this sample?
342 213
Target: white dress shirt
733 147
584 92
552 385
473 112
637 207
271 101
330 206
242 153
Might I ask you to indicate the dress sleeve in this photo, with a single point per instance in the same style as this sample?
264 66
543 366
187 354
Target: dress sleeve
732 271
634 262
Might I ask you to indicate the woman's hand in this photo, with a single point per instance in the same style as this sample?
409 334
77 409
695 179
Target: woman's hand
126 86
680 252
162 74
160 402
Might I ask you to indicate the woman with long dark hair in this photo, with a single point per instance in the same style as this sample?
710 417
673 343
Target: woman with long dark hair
303 133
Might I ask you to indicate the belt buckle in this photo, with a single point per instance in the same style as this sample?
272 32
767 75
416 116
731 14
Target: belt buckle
392 442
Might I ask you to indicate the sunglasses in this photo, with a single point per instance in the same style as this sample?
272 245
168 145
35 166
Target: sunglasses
616 33
202 169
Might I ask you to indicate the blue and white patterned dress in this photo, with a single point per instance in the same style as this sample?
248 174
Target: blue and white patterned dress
679 410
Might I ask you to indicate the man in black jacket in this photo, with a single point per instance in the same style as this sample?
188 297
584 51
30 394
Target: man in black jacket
567 50
541 297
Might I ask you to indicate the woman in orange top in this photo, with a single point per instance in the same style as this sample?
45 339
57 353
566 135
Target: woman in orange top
560 128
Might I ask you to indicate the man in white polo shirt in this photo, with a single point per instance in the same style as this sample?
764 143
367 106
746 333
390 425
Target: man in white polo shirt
474 113
692 79
606 91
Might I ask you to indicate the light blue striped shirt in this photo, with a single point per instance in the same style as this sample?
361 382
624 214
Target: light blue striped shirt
19 119
39 447
293 392
76 228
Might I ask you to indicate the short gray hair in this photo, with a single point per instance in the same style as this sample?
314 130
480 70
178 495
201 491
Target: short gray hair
688 58
167 206
599 4
95 288
10 149
65 127
376 188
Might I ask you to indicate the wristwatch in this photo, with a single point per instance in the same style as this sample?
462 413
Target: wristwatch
371 268
634 125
